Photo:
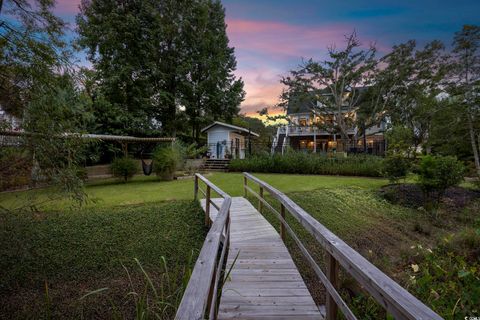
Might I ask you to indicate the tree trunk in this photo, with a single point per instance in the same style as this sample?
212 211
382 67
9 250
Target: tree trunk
474 143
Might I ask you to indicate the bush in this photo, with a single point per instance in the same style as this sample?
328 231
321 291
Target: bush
309 163
124 168
167 161
395 167
437 174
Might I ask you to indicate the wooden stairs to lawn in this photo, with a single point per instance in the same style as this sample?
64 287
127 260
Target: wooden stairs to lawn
215 165
245 271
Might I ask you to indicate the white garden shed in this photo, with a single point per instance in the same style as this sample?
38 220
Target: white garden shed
226 141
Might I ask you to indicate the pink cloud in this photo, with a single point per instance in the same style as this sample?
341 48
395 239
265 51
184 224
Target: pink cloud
266 50
67 6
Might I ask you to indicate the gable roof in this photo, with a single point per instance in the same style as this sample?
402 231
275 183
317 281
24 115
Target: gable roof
230 126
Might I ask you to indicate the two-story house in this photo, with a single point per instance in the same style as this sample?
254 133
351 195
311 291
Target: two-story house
312 129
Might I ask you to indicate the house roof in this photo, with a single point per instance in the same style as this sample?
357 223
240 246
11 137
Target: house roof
230 126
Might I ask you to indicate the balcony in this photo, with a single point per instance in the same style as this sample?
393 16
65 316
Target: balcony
294 130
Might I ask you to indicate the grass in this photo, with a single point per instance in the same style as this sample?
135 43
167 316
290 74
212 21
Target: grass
75 252
72 251
143 190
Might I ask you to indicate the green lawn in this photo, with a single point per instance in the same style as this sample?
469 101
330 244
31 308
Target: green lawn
148 189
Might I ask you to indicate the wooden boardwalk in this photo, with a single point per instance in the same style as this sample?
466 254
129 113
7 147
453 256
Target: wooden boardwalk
264 282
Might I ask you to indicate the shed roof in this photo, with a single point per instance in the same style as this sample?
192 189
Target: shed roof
230 126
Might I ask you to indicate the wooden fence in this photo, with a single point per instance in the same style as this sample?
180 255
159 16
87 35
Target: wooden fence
396 300
200 300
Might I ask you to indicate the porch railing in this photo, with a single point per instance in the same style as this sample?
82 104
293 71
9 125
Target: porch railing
396 300
200 300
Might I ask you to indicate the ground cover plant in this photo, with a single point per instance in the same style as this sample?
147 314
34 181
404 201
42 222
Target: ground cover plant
49 260
309 163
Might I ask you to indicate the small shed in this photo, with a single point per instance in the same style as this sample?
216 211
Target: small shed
226 141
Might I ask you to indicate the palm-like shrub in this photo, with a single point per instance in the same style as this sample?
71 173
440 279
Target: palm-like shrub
167 160
124 168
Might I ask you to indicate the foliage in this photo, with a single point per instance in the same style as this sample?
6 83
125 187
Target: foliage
332 86
82 250
124 168
151 57
436 174
193 151
447 278
395 167
15 168
305 163
465 85
38 86
167 160
400 140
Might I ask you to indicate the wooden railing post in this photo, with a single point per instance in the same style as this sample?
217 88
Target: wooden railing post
332 275
260 203
195 188
282 226
245 186
207 207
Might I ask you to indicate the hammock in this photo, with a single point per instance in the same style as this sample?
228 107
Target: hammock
147 167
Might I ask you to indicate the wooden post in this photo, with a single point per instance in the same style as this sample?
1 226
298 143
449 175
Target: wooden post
244 186
195 188
332 275
260 204
282 226
207 207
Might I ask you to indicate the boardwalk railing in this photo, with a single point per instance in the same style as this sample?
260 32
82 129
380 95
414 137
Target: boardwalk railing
200 300
396 300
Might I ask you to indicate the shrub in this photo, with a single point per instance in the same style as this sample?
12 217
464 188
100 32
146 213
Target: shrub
395 167
124 168
437 174
308 163
167 161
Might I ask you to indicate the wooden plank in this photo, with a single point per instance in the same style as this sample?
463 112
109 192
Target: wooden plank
264 282
395 299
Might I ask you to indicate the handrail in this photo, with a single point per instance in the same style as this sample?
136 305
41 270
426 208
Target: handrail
200 298
394 298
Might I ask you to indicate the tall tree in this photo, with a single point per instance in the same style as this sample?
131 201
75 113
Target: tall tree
212 92
405 89
466 72
37 85
333 86
158 62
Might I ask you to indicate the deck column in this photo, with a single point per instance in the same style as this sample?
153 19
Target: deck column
332 275
282 226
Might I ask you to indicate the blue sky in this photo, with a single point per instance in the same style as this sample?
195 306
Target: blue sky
271 36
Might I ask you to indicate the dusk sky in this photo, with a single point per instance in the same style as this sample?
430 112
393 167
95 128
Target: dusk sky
271 36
